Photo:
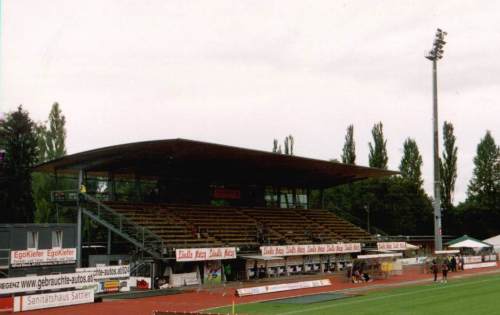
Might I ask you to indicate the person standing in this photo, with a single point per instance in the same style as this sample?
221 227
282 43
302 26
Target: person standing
453 264
444 269
434 270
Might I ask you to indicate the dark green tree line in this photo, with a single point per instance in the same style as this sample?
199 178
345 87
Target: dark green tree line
480 213
18 139
52 145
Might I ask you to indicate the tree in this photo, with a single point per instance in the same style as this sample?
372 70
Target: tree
53 139
276 149
484 186
18 139
378 152
288 145
411 163
52 144
349 150
396 207
448 166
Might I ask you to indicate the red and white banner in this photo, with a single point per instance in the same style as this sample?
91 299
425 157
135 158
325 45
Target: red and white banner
313 249
202 254
38 257
382 246
39 301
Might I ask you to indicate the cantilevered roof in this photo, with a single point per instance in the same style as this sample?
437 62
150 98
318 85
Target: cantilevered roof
195 161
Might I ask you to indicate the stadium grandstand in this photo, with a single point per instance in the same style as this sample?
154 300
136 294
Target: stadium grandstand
158 197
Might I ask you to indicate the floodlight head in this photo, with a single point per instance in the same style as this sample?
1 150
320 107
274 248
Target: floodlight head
437 51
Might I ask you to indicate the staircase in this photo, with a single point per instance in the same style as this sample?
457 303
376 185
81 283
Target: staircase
140 236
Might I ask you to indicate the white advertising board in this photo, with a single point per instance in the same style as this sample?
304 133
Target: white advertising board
283 287
47 300
413 261
48 282
202 254
40 257
480 265
380 256
313 249
383 246
472 259
445 252
182 279
107 272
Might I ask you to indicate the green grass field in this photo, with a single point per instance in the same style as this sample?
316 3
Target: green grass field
478 295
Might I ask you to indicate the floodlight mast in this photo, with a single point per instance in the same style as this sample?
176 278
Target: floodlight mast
435 54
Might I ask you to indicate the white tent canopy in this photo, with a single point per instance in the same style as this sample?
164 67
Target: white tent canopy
467 242
495 241
411 246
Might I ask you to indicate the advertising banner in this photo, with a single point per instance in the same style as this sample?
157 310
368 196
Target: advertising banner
283 287
213 272
314 249
372 256
226 193
48 282
140 282
6 304
202 254
480 265
472 259
181 279
39 301
107 272
40 257
383 246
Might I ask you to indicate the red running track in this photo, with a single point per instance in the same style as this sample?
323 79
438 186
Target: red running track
195 301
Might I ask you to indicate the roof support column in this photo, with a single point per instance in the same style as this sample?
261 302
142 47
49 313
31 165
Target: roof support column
79 221
138 187
56 179
112 185
308 197
322 197
279 196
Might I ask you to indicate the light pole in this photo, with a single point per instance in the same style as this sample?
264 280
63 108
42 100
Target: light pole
435 54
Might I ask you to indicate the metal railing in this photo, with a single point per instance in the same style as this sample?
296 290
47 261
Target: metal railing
140 236
144 238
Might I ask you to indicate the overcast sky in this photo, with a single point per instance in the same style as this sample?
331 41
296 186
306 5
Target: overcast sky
245 72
